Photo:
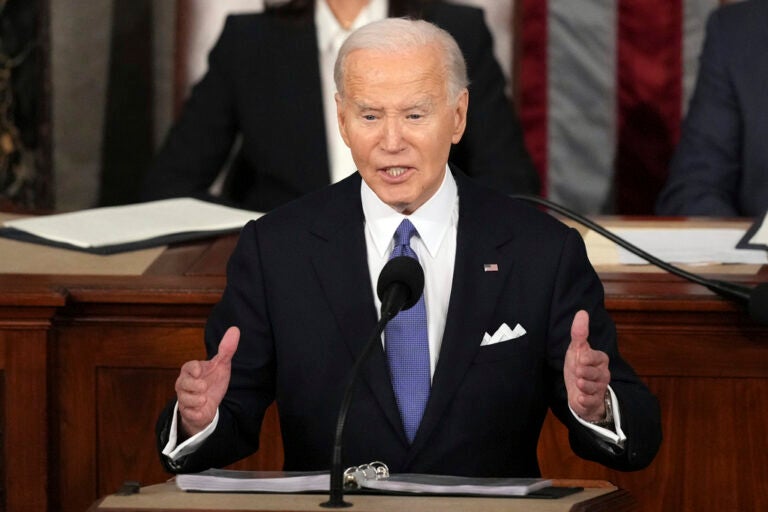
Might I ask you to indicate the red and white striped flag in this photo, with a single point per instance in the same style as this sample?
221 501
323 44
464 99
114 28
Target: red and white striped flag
602 89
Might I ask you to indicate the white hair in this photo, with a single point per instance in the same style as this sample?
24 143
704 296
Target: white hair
399 34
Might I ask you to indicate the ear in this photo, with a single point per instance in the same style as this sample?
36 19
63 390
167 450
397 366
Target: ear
341 118
460 116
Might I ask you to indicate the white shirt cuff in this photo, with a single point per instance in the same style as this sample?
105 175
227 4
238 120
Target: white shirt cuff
616 437
174 452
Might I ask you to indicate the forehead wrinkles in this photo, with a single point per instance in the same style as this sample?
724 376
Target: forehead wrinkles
401 98
416 72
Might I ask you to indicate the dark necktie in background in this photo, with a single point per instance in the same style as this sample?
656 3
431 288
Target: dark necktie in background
407 347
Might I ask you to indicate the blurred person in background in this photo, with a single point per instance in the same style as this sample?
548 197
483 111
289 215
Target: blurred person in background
720 167
269 85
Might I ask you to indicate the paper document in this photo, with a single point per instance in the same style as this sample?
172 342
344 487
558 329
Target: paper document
444 484
118 225
674 245
756 236
219 480
224 480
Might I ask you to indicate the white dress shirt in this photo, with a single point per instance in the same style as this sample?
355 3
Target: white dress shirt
436 222
330 36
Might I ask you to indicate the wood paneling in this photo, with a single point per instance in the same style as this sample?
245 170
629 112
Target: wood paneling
714 452
711 377
113 379
23 361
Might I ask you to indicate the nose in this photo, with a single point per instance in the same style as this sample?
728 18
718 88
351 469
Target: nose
392 137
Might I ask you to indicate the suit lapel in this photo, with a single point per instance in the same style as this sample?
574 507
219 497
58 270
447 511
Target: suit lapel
481 240
342 267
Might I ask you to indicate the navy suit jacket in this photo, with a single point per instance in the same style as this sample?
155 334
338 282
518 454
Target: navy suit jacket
298 287
720 167
263 83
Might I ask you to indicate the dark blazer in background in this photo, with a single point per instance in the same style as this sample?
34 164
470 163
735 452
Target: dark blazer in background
720 167
263 82
299 289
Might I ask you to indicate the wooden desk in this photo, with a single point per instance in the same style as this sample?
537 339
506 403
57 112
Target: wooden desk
166 497
88 361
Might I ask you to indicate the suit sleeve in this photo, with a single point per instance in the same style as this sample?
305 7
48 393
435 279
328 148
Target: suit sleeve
578 287
200 141
705 170
492 149
252 383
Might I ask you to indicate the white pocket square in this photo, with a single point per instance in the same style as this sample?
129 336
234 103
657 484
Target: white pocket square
503 333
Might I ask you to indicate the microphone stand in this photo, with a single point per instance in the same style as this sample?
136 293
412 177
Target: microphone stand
336 495
400 285
733 291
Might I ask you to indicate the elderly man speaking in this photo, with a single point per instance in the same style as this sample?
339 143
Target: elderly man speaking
511 322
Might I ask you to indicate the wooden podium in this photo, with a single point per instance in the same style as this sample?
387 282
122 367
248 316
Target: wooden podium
596 497
90 348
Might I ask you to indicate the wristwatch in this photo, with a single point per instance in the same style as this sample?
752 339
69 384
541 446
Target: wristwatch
607 421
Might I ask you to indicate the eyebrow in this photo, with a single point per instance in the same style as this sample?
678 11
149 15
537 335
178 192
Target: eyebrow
425 104
365 106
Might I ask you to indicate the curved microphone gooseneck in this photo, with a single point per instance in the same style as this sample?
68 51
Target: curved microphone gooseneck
400 285
754 299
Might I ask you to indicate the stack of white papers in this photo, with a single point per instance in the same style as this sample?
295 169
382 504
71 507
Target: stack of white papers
224 480
132 224
675 245
445 484
220 480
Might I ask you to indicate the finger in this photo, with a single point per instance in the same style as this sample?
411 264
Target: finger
191 369
191 400
591 388
580 330
592 358
598 372
186 383
191 376
228 345
589 373
190 386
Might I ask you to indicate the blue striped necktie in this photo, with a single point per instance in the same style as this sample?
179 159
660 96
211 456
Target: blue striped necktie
407 347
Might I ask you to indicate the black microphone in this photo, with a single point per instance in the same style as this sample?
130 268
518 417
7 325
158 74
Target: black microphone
753 299
400 285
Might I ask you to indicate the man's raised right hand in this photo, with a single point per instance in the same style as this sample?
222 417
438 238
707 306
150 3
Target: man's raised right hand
202 384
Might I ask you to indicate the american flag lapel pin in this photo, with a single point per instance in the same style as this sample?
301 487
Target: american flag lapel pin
490 267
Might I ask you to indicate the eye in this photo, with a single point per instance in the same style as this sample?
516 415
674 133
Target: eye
369 116
415 117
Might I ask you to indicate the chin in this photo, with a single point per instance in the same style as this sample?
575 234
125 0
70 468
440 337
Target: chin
394 200
400 206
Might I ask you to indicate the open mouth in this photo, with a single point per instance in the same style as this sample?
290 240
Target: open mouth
395 172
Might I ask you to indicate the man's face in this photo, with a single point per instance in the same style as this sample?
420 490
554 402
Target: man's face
396 118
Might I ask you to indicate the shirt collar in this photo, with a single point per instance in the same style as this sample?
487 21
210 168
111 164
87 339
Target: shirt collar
432 219
330 33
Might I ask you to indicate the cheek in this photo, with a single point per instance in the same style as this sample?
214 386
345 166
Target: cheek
438 145
363 136
362 149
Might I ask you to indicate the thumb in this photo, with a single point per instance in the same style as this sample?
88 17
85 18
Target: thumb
228 345
580 330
